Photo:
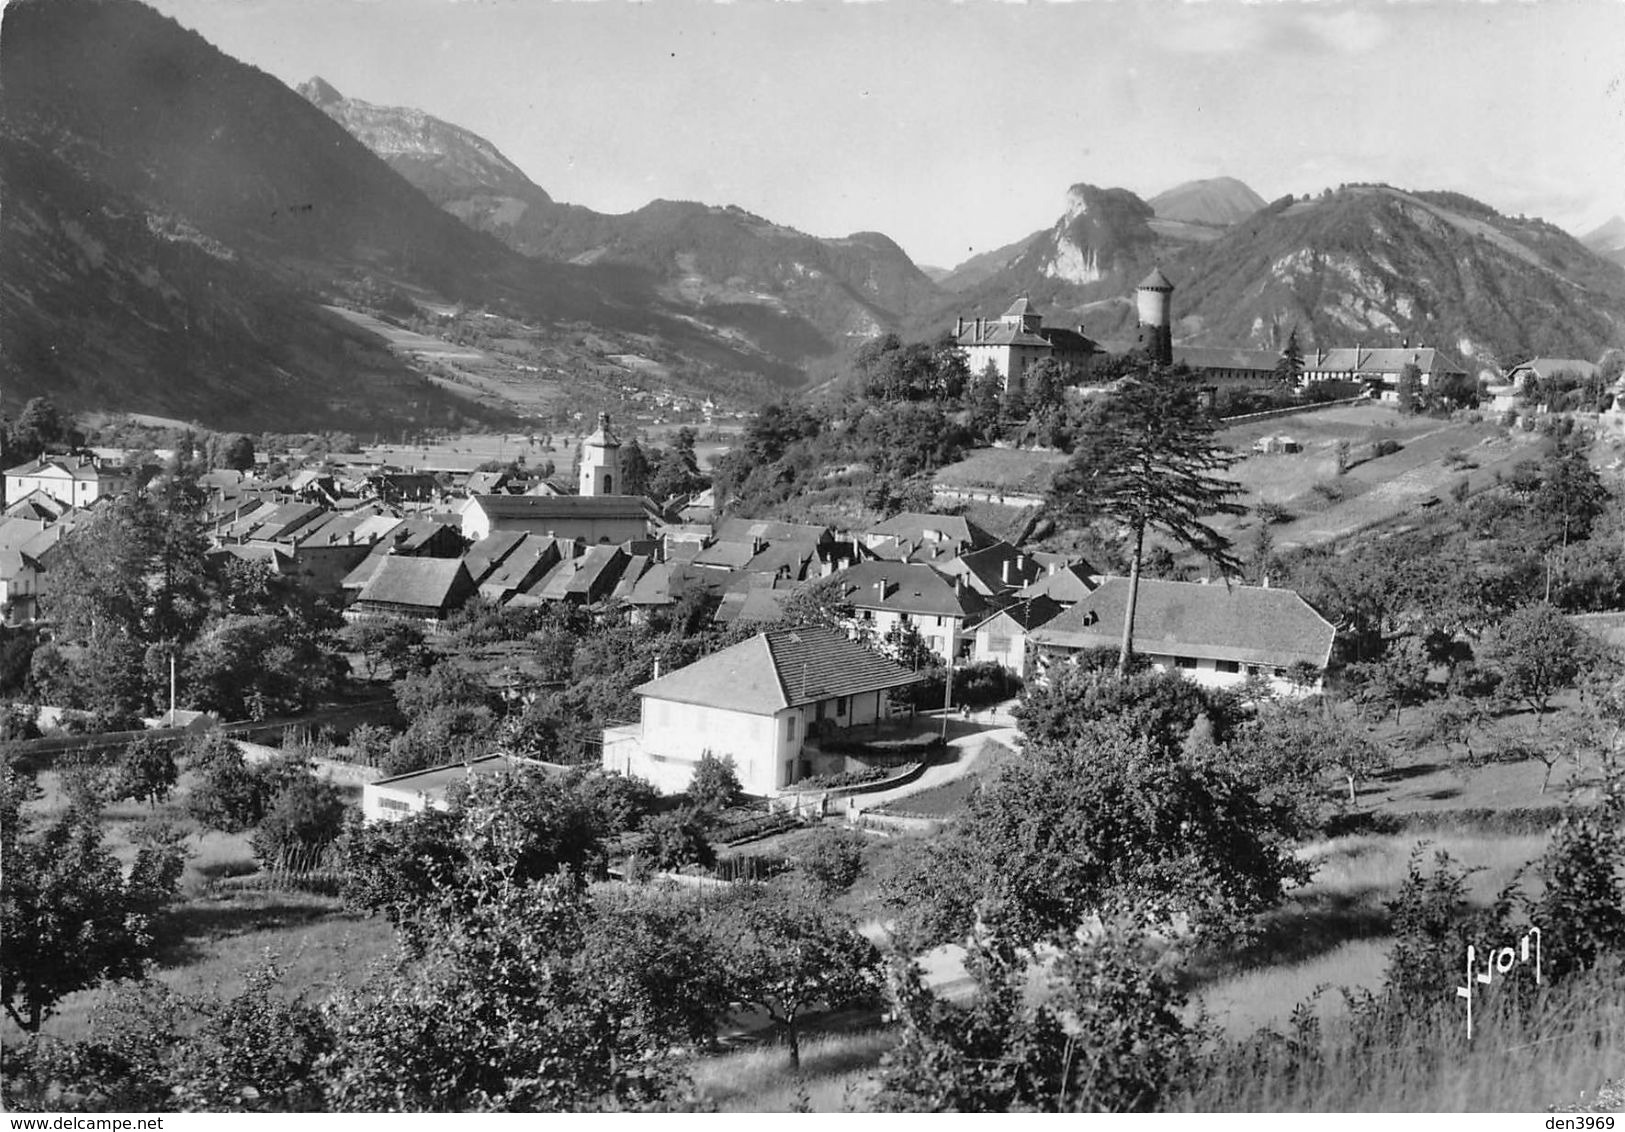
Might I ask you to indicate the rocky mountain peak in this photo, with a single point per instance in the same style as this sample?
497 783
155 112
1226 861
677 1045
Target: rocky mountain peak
319 92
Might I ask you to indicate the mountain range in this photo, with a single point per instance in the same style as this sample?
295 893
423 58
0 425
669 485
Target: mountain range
827 294
1361 264
182 234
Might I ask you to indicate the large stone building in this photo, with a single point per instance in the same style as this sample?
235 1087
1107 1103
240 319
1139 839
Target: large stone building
1018 340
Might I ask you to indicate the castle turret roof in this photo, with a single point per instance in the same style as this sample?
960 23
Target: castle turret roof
1156 281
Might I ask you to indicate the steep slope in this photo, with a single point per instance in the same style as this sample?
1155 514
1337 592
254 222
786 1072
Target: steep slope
1217 202
1379 265
979 268
1103 244
1608 239
108 304
721 261
133 109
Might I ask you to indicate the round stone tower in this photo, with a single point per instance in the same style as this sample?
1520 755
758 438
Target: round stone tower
1154 298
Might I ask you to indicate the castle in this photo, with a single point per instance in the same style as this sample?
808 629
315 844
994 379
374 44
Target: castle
1019 340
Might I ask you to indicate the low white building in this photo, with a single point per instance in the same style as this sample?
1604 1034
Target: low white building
1215 634
391 799
767 703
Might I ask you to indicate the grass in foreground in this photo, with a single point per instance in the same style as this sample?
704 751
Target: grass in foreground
837 1072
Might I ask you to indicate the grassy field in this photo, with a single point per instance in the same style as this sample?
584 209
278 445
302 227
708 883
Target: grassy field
1434 456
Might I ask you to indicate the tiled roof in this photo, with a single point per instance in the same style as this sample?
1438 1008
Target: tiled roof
566 506
1546 367
1251 624
726 555
1156 281
486 554
1027 615
792 558
529 561
778 669
1000 334
86 470
1225 357
278 560
427 583
1061 338
908 587
914 526
748 530
1361 361
1068 584
757 604
997 567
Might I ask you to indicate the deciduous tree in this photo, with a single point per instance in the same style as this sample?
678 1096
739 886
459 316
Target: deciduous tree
787 953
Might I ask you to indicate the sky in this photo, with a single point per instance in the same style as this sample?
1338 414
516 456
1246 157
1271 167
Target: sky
957 127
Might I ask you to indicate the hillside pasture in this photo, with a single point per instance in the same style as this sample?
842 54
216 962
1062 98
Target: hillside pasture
1433 457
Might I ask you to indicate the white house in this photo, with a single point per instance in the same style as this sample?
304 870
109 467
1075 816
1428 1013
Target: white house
72 480
1002 636
767 703
886 595
1217 635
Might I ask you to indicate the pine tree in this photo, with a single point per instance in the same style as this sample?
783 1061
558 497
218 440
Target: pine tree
1289 366
1146 459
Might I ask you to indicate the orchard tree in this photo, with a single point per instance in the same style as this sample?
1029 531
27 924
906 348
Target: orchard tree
787 953
300 822
147 770
1583 907
1106 817
1108 1036
1537 652
1145 458
517 1005
69 916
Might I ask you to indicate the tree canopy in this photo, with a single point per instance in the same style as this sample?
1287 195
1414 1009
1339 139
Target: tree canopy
1145 459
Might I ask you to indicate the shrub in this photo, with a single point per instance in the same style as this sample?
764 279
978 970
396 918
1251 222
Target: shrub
147 771
678 838
1329 491
833 862
1385 447
714 786
301 821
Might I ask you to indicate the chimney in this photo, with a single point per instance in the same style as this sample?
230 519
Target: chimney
978 330
959 326
1052 569
657 668
959 585
1021 563
1005 575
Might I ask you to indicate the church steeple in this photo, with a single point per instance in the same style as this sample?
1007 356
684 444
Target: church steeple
601 460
